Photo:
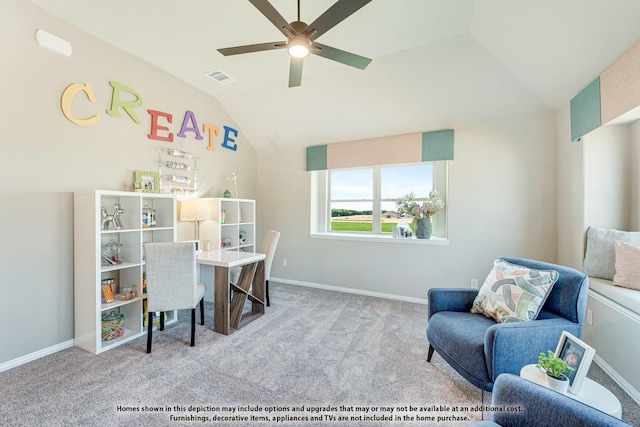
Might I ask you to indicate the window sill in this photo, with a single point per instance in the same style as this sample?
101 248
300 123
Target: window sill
380 238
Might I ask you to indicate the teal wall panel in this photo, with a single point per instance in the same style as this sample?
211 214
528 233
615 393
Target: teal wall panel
585 111
317 158
437 145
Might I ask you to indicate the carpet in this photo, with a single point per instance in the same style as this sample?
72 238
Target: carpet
316 358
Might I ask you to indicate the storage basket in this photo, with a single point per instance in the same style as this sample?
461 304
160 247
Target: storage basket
112 326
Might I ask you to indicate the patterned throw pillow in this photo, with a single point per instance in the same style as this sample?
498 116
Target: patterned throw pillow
513 293
627 265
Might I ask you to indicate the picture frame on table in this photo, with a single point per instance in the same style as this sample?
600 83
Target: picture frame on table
578 355
148 182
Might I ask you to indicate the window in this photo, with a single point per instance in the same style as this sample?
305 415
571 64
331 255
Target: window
361 202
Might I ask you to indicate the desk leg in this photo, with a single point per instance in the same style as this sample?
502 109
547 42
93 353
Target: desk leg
221 301
240 294
259 289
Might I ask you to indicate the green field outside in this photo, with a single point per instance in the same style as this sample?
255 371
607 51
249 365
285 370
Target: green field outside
387 227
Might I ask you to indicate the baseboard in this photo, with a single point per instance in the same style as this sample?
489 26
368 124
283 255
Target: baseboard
349 290
628 388
35 355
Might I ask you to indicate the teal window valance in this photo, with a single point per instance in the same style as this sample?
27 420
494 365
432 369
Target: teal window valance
410 148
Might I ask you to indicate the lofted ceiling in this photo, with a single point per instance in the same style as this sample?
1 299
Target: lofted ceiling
436 63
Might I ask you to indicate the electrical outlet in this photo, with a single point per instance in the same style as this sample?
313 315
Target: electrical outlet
284 262
474 283
589 317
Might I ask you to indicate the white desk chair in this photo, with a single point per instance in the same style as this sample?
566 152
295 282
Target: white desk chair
172 283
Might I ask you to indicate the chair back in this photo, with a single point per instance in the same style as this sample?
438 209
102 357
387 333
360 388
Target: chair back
171 276
269 245
568 298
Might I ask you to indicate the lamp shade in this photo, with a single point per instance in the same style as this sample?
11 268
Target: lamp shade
195 210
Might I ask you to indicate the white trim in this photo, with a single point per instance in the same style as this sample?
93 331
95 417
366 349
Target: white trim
35 355
624 385
379 238
350 290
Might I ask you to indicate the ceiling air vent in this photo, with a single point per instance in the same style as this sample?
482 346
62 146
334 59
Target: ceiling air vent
221 77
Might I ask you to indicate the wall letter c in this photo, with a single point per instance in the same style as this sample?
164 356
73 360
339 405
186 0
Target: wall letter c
67 99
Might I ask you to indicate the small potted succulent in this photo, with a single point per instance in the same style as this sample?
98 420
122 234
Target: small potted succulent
557 370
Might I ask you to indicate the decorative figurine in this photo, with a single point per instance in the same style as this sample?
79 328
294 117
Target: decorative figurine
112 219
234 178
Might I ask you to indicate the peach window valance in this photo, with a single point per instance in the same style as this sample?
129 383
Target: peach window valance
409 148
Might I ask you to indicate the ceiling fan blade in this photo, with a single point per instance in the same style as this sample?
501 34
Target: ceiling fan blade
342 56
341 10
295 72
252 48
274 16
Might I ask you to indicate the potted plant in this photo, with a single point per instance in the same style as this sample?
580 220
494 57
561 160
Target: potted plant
557 371
421 210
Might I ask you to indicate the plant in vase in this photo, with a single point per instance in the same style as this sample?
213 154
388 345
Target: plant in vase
422 210
557 370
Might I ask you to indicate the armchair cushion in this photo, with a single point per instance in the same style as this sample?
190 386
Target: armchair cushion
513 293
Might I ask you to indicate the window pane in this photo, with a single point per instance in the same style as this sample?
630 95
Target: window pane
396 181
355 184
400 180
352 216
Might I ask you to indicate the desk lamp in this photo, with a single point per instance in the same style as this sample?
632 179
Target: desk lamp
195 210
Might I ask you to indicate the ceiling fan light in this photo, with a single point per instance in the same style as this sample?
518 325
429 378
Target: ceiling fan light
298 48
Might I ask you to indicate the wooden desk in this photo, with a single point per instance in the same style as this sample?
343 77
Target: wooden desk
227 316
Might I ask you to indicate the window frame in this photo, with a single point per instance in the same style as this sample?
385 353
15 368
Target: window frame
321 208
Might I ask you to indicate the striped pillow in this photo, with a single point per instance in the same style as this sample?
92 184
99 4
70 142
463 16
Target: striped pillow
513 293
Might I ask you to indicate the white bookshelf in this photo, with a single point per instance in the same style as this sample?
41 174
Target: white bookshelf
89 271
239 219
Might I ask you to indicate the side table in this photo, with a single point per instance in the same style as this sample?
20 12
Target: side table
591 393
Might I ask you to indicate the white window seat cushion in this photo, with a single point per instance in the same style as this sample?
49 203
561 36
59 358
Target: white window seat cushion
628 298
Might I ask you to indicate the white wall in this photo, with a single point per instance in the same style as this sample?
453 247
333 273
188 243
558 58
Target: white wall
45 158
570 196
607 183
502 197
598 184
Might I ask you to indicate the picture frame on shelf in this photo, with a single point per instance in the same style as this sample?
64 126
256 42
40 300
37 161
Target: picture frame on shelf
578 355
148 182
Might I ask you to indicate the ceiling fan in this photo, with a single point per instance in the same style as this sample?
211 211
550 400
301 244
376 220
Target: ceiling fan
301 37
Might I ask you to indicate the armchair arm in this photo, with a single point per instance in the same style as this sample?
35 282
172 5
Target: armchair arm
541 406
510 346
450 299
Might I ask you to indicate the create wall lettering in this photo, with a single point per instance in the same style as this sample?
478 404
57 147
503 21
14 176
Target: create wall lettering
159 131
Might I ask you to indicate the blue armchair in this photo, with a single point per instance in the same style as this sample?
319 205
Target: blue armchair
480 349
540 406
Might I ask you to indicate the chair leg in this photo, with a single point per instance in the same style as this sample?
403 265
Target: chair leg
430 354
193 326
149 331
162 320
202 311
266 289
